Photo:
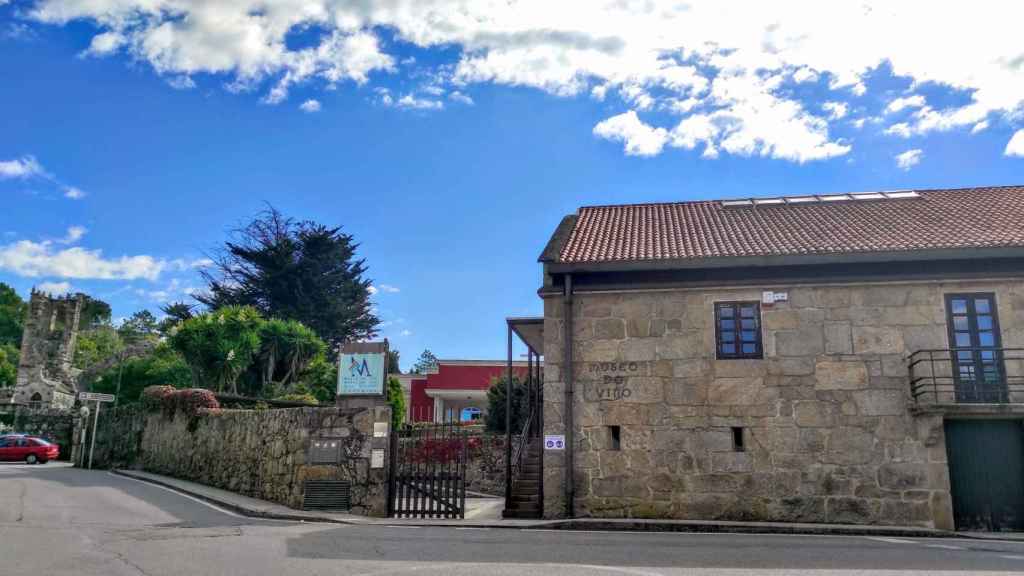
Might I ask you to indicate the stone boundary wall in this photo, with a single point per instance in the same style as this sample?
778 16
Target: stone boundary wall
52 424
485 470
258 453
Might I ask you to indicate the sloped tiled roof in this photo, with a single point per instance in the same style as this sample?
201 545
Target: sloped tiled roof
935 219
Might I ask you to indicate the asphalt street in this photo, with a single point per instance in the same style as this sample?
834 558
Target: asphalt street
56 520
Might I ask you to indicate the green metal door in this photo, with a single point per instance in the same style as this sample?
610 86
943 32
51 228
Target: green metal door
986 474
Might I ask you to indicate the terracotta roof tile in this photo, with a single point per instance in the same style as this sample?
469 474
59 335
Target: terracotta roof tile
936 219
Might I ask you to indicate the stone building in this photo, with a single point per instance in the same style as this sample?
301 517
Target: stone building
46 378
836 358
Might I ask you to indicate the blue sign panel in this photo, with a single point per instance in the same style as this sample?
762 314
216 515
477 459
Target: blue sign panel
361 373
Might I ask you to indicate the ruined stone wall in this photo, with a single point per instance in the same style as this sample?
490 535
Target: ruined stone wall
47 351
827 429
258 453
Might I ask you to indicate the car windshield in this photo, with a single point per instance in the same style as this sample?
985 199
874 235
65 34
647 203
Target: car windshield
40 442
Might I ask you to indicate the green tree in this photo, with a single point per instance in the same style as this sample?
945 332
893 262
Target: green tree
219 346
12 316
303 271
496 395
397 401
393 366
163 366
175 313
424 363
321 379
97 346
8 365
95 313
141 324
286 349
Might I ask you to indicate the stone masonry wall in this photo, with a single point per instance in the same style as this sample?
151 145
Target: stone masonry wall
827 430
258 453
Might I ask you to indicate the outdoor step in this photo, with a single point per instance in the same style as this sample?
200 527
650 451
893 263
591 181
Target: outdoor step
521 514
523 506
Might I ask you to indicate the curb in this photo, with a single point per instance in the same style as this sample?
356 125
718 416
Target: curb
589 524
244 511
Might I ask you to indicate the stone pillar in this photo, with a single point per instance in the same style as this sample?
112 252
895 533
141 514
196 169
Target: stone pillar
554 405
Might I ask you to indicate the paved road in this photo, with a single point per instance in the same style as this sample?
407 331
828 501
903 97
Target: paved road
59 521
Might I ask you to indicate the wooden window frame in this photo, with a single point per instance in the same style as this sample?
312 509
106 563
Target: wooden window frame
739 354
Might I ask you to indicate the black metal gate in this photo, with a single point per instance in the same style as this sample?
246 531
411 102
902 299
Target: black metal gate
986 473
428 471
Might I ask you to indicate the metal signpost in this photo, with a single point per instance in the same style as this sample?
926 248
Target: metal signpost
98 399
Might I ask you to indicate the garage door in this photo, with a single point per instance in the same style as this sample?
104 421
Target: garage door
986 473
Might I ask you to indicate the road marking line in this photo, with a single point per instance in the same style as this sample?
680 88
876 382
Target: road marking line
943 546
397 526
183 495
1012 557
890 540
470 528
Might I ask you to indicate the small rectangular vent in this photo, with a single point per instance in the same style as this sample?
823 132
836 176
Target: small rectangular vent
327 495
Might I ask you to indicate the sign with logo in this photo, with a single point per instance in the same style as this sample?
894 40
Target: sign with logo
95 397
362 369
554 442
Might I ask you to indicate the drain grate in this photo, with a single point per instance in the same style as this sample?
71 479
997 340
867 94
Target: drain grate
327 495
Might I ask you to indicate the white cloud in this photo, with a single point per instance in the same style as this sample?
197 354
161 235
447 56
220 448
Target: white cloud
915 101
105 43
24 167
640 139
405 333
372 290
836 110
28 167
647 53
979 127
34 259
909 159
183 82
310 106
74 234
1015 147
461 98
74 193
386 288
901 129
411 102
54 288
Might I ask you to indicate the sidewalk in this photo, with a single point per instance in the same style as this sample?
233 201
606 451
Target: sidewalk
484 512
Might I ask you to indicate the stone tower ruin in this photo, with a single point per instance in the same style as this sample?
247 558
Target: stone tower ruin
45 376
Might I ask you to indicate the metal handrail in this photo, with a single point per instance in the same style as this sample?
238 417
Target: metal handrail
517 454
934 376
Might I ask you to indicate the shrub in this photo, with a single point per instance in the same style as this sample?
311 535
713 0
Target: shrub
192 401
307 398
154 398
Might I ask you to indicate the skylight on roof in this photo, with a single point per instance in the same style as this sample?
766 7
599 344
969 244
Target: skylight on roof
820 198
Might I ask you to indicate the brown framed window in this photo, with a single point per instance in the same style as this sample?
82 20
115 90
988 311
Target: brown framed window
738 330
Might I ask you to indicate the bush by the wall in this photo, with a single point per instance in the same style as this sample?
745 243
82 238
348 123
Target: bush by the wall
191 400
153 398
171 400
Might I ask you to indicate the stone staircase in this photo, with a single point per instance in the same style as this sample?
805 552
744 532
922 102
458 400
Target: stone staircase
526 499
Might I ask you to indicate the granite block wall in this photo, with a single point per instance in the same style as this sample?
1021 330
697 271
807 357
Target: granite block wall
825 417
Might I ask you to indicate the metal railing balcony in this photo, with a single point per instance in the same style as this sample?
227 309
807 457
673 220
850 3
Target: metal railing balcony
967 376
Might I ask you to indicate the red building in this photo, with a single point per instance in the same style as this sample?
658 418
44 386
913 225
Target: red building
454 390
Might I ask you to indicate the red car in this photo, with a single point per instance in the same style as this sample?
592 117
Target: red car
31 449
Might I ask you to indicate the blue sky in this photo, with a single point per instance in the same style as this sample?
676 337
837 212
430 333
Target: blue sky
127 152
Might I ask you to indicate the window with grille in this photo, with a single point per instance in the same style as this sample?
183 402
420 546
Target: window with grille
738 330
